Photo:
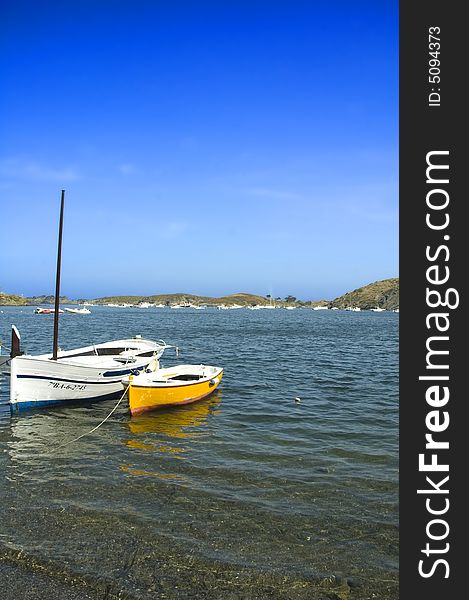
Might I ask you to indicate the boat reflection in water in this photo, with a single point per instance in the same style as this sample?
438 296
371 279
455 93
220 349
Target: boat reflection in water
166 431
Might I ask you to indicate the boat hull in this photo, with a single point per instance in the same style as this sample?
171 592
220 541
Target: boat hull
144 398
42 382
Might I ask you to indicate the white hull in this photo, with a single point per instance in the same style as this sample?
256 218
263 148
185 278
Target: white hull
78 375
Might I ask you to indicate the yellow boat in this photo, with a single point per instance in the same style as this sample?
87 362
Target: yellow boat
173 386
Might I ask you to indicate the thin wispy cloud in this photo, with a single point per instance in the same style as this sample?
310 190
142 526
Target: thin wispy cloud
373 214
189 143
174 229
274 194
127 169
29 169
374 202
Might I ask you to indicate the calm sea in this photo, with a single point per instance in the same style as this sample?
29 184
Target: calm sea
246 495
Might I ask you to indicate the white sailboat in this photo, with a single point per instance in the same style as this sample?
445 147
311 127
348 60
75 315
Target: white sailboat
83 374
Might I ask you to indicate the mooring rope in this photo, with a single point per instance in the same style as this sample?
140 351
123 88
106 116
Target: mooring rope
97 426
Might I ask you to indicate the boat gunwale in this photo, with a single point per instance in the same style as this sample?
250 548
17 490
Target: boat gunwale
147 346
171 383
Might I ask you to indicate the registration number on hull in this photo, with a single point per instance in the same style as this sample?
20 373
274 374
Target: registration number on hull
67 386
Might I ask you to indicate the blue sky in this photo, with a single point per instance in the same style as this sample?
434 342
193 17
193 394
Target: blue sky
205 147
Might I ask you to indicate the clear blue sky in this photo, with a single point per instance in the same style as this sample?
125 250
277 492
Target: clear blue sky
205 147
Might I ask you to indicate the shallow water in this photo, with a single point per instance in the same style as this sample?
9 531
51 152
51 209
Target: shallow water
270 497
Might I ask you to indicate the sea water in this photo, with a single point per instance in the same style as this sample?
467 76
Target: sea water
282 484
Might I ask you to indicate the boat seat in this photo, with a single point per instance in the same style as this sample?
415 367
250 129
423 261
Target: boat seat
185 377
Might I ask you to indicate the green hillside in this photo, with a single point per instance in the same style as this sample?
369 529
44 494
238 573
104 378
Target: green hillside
384 294
49 300
12 300
241 298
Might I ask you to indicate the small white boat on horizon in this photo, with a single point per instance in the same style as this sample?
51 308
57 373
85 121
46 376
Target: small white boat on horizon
78 311
123 305
46 311
182 305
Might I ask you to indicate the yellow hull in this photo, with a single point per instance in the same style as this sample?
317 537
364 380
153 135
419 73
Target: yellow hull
143 398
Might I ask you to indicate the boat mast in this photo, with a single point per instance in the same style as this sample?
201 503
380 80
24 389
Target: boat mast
57 281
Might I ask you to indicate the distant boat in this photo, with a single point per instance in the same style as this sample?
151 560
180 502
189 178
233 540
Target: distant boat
46 311
378 309
124 305
320 308
78 311
182 305
173 386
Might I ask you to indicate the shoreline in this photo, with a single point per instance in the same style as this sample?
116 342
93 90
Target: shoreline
383 294
29 578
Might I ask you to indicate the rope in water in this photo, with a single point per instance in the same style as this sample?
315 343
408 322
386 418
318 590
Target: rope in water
97 426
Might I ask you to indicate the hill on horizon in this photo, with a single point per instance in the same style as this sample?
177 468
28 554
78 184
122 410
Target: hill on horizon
383 293
12 300
238 298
